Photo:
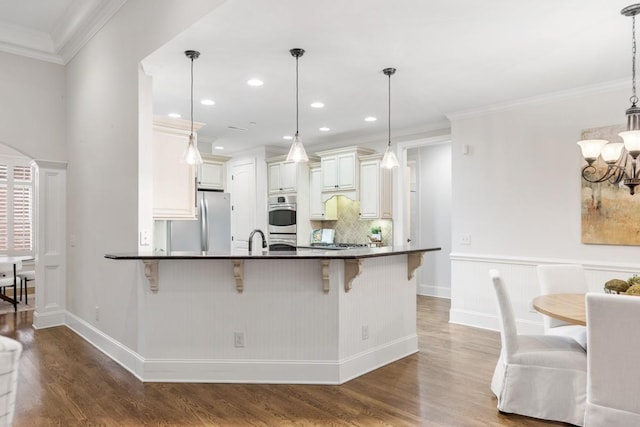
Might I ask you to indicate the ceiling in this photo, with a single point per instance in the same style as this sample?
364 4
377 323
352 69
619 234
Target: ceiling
52 30
450 55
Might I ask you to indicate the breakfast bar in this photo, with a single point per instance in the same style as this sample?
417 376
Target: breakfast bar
307 316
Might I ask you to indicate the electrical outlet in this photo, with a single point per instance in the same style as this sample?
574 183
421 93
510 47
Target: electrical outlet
97 313
365 332
238 339
144 238
465 239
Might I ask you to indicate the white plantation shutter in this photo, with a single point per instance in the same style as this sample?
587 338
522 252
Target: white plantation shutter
16 207
4 209
22 211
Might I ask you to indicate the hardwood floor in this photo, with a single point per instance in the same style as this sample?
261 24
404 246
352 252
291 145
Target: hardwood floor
64 381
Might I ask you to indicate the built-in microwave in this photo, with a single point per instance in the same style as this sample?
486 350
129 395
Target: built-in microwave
282 215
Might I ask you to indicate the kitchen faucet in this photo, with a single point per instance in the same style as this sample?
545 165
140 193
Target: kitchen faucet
264 241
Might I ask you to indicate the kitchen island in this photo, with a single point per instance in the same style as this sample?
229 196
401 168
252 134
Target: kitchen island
307 316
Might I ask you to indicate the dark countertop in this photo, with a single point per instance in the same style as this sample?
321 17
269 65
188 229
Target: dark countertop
301 253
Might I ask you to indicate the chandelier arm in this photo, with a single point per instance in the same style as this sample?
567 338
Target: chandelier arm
614 174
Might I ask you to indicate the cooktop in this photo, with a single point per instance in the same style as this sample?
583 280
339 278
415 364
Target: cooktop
330 246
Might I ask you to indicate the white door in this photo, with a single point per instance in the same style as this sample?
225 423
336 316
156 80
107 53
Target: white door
243 204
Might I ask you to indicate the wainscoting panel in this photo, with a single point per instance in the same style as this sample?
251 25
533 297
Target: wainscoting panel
473 300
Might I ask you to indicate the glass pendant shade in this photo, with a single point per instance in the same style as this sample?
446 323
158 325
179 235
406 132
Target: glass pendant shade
611 152
389 160
192 154
297 152
631 142
591 148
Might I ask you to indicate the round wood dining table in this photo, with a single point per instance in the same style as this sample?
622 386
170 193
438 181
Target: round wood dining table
569 308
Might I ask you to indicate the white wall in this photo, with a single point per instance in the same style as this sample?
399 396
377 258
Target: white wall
103 130
32 112
517 193
434 187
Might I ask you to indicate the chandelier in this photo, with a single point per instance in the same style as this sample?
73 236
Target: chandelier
620 158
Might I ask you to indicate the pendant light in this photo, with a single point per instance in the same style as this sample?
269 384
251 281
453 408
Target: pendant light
389 160
297 152
191 154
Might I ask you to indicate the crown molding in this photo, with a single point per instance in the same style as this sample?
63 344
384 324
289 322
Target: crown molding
75 27
80 23
540 99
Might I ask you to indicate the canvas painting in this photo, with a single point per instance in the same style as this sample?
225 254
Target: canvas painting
610 215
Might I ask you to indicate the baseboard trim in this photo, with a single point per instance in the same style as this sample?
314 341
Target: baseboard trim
237 371
49 319
122 355
377 357
241 371
434 291
490 322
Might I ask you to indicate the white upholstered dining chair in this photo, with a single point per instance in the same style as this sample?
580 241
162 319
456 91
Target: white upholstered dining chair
613 386
563 279
10 351
540 376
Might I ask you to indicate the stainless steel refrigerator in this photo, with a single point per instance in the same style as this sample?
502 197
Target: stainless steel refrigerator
211 232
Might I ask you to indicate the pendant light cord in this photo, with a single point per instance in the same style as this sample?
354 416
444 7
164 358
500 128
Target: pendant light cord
634 98
297 95
389 110
192 96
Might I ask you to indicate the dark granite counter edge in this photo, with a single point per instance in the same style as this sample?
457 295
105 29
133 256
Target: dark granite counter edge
345 254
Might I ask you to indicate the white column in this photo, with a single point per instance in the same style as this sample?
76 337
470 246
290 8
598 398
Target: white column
50 243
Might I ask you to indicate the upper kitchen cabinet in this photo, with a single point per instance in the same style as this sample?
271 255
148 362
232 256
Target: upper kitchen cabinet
174 181
318 210
283 176
288 177
375 189
211 173
340 171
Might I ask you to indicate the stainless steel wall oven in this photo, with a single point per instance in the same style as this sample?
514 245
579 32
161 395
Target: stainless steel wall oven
282 214
282 223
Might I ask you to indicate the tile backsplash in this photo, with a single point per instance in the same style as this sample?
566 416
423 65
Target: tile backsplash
351 229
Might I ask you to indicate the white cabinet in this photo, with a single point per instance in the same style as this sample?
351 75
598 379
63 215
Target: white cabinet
375 189
174 181
283 177
340 171
212 171
318 210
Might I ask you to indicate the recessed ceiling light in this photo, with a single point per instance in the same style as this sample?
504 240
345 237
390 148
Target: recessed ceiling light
255 82
174 115
287 137
325 129
218 147
370 119
317 104
208 102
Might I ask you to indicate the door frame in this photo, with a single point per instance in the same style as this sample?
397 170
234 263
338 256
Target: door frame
400 195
